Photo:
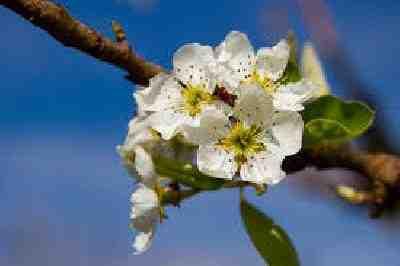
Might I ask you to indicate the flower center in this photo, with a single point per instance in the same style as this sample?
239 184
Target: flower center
194 97
243 141
263 81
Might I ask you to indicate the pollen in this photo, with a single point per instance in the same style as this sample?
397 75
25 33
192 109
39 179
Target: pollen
243 141
194 99
264 82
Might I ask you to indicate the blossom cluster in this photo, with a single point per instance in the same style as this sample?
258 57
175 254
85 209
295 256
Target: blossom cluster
235 105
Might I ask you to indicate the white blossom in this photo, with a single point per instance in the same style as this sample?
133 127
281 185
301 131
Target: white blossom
239 63
253 142
232 103
145 216
139 132
146 96
244 64
133 151
186 92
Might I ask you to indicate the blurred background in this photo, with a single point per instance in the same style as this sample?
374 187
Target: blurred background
64 196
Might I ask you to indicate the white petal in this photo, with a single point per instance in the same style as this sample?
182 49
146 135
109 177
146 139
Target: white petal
138 134
272 61
288 131
235 44
264 167
214 124
131 165
139 131
292 96
145 215
144 201
169 97
216 162
287 102
146 96
253 106
169 116
142 242
227 78
140 104
169 122
192 64
126 161
147 221
312 70
237 53
144 167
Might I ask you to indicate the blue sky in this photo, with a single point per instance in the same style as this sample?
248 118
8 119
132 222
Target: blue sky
63 192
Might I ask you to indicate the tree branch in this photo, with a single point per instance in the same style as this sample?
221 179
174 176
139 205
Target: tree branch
381 169
70 32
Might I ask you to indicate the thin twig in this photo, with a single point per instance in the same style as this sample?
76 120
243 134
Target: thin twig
171 197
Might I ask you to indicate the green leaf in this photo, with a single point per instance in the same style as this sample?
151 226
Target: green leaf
292 71
186 174
270 240
330 120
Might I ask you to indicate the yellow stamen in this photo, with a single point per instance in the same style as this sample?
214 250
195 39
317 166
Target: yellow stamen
195 97
243 141
263 81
